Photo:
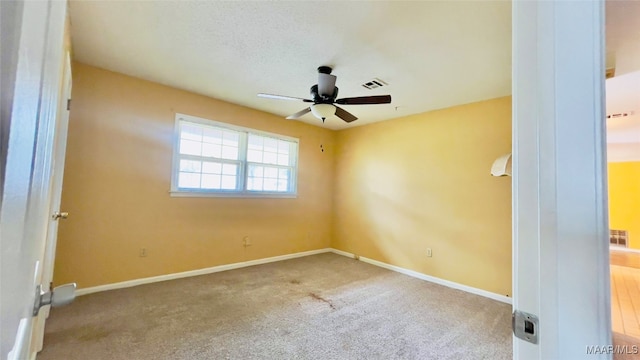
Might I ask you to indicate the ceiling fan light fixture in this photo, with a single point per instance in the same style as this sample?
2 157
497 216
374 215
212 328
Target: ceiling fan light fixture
323 111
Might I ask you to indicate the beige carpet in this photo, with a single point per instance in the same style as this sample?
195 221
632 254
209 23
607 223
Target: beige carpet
317 307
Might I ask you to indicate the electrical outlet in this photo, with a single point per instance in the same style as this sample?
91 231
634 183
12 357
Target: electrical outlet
246 241
143 252
429 253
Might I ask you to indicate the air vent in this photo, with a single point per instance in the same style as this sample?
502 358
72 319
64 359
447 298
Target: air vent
619 238
374 84
620 115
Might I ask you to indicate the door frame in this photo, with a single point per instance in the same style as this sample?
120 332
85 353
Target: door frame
560 218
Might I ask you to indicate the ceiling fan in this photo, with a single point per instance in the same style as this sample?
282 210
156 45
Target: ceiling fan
324 95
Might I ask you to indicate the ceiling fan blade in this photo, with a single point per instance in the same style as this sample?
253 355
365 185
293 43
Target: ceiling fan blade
365 100
345 115
326 84
299 113
282 97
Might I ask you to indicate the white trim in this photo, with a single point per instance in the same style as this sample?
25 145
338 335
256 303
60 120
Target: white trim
210 270
433 279
219 268
344 253
624 249
208 122
559 136
231 194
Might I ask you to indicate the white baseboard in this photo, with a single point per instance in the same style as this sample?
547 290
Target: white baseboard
149 280
624 249
433 279
415 274
343 253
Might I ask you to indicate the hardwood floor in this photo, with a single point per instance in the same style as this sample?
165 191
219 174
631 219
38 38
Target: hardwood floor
625 293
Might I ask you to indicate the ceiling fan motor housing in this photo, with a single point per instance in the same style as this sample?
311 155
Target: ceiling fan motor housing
325 70
319 99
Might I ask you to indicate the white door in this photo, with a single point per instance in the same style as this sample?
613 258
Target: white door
55 213
32 62
560 257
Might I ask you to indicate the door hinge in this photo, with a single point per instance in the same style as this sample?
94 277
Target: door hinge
525 326
68 104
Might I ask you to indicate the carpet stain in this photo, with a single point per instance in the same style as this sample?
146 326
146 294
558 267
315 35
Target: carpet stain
92 334
320 298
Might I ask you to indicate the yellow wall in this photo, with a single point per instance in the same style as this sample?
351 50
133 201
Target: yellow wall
423 181
117 177
386 191
624 199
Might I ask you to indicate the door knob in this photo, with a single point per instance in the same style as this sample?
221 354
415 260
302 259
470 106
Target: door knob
60 215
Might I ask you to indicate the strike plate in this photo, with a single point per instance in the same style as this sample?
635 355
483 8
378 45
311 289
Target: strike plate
525 326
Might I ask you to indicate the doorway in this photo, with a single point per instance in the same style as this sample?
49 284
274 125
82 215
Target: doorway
623 163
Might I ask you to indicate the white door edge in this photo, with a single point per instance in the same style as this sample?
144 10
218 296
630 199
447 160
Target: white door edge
559 181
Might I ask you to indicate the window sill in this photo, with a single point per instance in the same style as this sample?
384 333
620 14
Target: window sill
200 194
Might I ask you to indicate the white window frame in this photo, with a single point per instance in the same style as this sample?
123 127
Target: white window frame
242 160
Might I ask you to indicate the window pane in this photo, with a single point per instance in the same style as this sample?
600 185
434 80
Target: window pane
210 181
270 158
283 185
189 147
230 153
190 132
230 138
254 184
270 184
189 180
255 142
190 165
213 136
228 182
283 159
270 172
254 155
271 145
229 169
283 147
255 171
211 168
209 158
211 150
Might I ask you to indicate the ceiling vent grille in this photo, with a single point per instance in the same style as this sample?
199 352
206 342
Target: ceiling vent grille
374 84
619 115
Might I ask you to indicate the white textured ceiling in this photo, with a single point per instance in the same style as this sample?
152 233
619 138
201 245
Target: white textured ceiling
433 54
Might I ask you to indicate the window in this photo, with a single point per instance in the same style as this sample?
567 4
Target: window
214 159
